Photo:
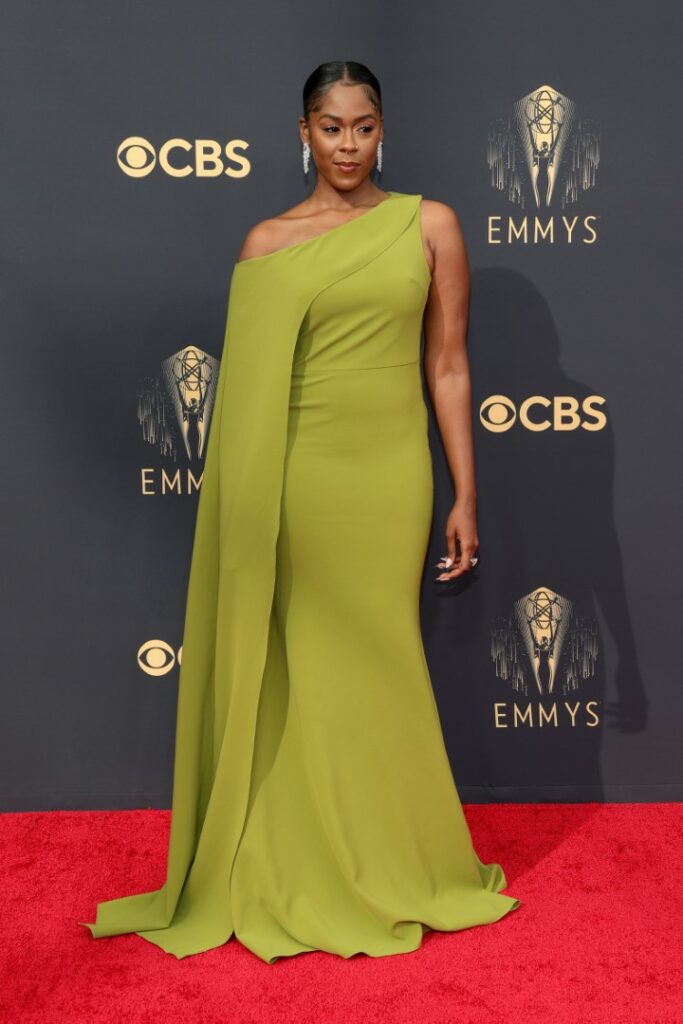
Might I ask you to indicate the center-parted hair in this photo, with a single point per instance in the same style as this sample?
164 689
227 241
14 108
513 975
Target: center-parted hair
348 72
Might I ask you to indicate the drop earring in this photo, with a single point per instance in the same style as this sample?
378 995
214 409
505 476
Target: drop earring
306 153
379 156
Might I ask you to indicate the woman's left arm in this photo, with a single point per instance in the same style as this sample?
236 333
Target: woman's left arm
447 374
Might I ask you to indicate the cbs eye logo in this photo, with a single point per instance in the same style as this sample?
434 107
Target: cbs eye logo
157 658
137 158
498 413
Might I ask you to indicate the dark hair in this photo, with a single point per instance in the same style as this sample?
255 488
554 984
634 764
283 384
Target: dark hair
347 71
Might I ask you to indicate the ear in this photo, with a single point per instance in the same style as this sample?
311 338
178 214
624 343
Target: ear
304 134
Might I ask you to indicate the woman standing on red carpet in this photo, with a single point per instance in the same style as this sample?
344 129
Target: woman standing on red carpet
313 802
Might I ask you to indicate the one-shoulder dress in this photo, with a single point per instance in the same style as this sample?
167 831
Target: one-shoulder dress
314 806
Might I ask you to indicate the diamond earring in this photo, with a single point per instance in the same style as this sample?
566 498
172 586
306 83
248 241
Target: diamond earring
379 156
306 153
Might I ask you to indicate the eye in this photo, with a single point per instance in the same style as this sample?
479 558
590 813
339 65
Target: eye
365 128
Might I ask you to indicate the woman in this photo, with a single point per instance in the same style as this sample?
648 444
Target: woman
313 802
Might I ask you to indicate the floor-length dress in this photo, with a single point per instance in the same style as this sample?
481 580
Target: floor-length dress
313 802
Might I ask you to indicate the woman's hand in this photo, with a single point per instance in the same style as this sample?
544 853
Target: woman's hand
462 540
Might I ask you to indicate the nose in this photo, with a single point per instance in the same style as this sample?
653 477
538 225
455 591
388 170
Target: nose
348 144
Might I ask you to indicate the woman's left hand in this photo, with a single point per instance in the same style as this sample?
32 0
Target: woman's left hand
462 541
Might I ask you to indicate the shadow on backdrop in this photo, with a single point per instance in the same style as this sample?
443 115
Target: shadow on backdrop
547 534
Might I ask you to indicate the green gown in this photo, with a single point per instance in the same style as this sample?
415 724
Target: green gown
314 806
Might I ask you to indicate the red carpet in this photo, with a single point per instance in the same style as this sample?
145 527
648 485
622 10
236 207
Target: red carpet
597 940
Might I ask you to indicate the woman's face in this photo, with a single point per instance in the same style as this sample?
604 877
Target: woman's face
343 134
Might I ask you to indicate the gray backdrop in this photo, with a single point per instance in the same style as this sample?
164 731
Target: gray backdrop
555 664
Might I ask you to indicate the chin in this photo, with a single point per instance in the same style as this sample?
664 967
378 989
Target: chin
349 180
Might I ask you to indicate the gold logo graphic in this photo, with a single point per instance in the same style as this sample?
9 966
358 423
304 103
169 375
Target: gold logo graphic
537 413
187 387
203 158
543 149
543 648
174 412
157 658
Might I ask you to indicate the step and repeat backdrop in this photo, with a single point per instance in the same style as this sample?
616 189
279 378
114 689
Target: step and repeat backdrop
141 144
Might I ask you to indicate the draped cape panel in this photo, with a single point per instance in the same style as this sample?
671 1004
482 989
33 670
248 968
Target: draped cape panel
231 580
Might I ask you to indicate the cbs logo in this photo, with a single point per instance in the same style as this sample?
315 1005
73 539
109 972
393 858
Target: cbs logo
157 658
563 412
137 158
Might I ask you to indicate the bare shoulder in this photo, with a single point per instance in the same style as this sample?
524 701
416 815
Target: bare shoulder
273 233
440 221
261 240
442 234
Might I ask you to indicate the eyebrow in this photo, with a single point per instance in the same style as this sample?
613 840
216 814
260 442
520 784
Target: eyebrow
361 117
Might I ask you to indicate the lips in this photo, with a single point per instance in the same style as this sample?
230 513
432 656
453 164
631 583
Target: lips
347 164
